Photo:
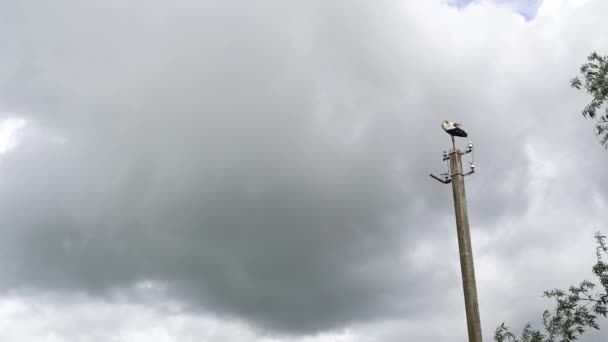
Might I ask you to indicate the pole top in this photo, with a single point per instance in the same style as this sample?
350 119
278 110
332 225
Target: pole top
447 155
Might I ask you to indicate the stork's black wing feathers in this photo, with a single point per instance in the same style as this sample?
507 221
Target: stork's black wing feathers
458 132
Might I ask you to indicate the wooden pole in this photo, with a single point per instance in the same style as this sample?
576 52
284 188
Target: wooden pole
466 251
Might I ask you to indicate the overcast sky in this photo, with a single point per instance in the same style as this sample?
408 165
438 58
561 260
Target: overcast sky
258 170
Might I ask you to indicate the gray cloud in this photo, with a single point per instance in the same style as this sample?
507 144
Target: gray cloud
269 162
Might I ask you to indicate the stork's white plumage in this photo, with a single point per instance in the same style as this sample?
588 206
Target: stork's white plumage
453 129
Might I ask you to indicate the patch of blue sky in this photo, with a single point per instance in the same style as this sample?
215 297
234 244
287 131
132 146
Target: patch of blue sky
527 8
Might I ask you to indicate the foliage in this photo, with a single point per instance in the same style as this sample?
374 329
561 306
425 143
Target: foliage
595 75
576 309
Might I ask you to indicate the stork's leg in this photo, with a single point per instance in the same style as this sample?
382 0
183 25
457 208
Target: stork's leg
453 144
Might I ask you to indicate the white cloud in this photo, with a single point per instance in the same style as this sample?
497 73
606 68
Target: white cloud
90 320
9 133
329 118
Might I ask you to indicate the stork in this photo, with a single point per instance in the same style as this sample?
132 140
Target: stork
454 130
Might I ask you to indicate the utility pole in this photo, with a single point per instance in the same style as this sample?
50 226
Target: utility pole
456 177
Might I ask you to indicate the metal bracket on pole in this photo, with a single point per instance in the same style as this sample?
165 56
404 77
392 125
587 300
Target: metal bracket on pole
446 180
447 177
470 150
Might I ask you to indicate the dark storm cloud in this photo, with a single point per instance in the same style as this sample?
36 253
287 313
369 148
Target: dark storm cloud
264 161
239 157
